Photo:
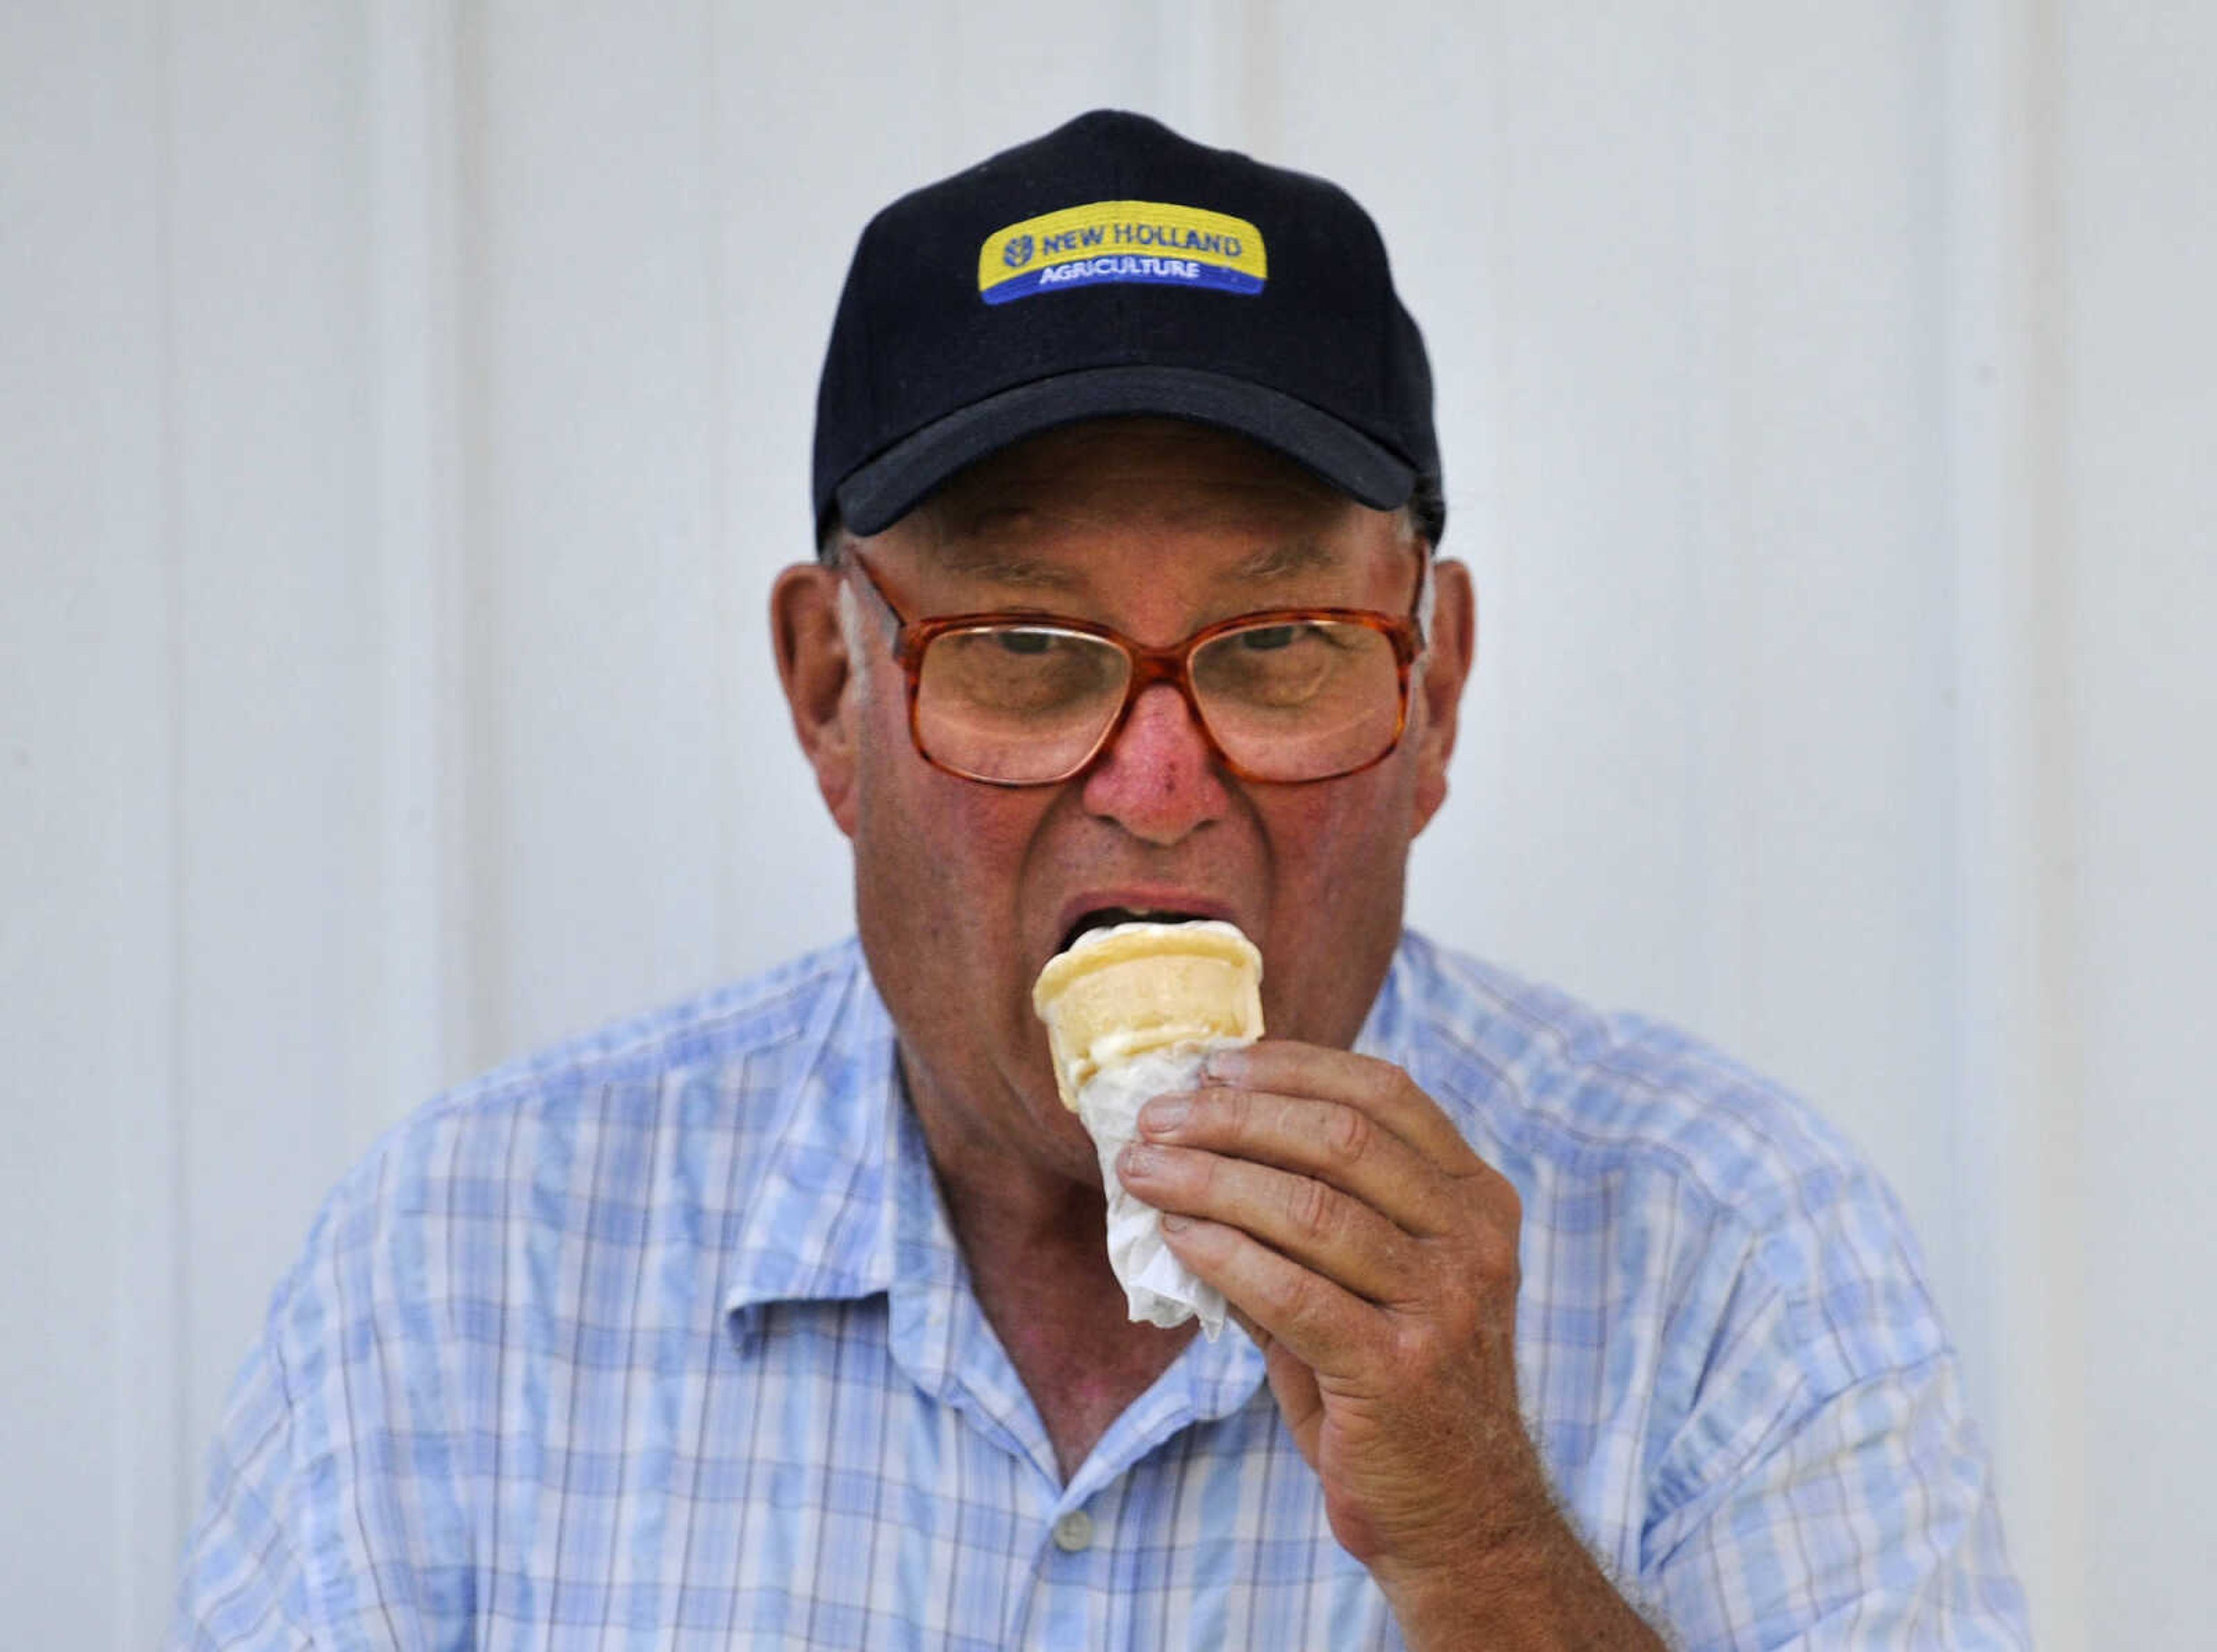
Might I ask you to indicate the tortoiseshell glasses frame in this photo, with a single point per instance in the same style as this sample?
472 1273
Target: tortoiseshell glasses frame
1146 666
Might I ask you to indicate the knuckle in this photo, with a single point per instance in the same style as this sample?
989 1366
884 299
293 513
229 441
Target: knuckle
1493 1209
1495 1256
1512 1205
1293 1294
1235 1112
1413 1353
1314 1210
1348 1135
1409 1260
1199 1172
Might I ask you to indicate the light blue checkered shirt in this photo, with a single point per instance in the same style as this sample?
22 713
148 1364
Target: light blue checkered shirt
662 1339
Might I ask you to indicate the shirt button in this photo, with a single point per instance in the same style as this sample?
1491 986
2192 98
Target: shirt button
1074 1531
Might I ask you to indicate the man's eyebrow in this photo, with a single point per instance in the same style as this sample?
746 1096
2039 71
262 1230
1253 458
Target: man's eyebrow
1296 556
1005 568
989 545
1008 566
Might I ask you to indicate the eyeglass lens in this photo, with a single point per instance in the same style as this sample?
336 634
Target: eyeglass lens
1026 704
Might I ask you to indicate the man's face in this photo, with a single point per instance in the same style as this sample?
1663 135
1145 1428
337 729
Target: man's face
964 891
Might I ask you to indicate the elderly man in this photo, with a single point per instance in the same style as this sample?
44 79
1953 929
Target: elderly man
784 1318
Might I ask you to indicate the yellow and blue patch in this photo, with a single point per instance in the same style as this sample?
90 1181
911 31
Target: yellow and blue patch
1146 241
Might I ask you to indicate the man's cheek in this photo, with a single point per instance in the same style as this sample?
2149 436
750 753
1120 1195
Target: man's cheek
1339 853
1325 837
955 848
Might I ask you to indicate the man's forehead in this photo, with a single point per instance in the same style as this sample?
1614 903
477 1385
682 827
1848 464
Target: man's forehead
1012 560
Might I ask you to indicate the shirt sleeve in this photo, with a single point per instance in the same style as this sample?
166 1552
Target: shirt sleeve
333 1517
242 1585
1828 1490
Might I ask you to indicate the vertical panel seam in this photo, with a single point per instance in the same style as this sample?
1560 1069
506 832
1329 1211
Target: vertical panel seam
478 666
723 562
2060 1071
176 1123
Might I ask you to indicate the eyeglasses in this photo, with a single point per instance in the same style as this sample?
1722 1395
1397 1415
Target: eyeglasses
1012 698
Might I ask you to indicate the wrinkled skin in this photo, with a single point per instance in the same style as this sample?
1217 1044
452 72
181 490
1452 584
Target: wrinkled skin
1367 1249
963 891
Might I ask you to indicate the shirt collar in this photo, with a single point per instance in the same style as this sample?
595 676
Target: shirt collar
817 1223
845 1205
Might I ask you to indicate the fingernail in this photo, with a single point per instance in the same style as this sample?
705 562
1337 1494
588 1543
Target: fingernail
1163 1116
1225 1067
1135 1160
1176 1224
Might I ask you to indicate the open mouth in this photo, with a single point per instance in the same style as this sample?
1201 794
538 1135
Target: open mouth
1104 917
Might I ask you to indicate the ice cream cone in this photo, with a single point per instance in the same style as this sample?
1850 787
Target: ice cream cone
1131 1013
1122 992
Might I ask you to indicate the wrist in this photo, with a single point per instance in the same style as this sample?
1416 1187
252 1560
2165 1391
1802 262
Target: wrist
1456 1599
1530 1584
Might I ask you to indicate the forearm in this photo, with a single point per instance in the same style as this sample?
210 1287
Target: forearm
1535 1591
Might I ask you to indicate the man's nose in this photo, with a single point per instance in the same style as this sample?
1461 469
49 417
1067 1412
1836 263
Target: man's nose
1158 780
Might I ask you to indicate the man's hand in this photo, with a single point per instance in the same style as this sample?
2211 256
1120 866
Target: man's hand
1373 1257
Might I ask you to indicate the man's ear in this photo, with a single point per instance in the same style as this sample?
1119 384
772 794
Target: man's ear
1452 646
821 684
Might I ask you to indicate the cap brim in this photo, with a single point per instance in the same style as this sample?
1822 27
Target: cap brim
885 489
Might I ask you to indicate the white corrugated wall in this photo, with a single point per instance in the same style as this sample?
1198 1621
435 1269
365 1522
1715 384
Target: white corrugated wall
404 406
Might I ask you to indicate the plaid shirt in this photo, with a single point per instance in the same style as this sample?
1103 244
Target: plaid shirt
662 1339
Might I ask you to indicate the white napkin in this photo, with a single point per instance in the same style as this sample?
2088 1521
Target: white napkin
1159 1289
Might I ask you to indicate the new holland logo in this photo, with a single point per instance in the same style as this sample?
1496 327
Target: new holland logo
1150 242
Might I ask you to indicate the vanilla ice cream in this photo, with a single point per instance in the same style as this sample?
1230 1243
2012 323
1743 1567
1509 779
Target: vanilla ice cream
1131 1012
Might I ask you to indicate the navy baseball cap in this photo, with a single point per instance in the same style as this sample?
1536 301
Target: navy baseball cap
1113 267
